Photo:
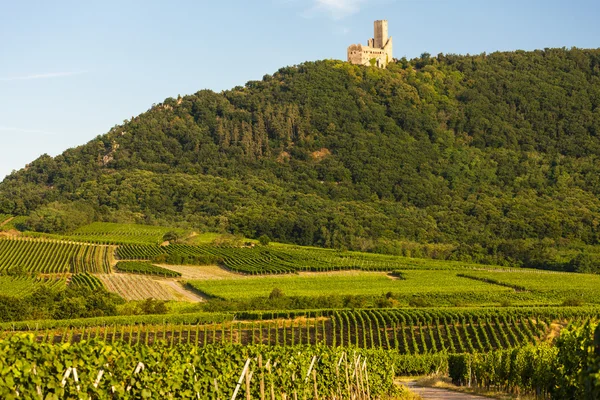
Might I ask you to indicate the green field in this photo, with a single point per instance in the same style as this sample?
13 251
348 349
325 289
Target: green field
439 287
548 285
358 283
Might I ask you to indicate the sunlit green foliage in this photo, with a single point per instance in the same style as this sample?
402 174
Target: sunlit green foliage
490 158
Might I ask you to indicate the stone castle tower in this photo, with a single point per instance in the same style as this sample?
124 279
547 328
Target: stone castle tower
377 52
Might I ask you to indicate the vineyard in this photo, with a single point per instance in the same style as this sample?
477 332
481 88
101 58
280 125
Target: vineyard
19 286
568 370
417 316
282 259
96 370
137 287
404 331
145 268
86 280
546 284
110 233
50 256
436 287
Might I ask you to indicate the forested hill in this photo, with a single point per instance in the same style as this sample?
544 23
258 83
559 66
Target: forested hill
493 158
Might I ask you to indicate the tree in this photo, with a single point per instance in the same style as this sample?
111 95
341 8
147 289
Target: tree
171 237
264 240
276 293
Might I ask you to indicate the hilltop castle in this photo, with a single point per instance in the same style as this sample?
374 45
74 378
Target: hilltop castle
377 52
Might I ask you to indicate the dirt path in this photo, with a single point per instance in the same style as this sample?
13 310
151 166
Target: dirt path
440 394
6 221
180 291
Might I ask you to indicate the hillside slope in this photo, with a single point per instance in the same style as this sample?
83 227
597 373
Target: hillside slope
495 155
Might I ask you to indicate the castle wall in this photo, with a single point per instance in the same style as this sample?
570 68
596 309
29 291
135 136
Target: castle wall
378 49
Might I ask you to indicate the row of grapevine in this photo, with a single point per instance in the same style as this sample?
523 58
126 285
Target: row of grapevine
112 233
136 287
145 268
52 256
99 371
568 370
139 252
258 259
451 332
364 329
86 280
20 286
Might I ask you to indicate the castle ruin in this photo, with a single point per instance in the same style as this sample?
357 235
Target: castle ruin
377 52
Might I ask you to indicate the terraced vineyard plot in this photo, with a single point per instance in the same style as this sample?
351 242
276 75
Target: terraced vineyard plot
110 233
278 259
137 287
86 280
52 256
145 268
256 260
139 252
322 260
23 286
441 286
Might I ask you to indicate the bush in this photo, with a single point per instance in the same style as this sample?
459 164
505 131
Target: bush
573 302
264 240
276 293
171 237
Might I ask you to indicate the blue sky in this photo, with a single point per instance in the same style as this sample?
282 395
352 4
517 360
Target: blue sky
70 70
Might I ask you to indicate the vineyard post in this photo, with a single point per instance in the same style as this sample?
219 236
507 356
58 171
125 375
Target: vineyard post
367 379
314 374
239 384
215 384
337 375
248 377
271 380
347 376
262 378
294 384
356 374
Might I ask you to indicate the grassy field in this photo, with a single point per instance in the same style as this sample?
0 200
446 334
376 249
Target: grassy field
440 287
346 283
548 285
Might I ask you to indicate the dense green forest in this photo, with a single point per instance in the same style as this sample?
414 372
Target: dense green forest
490 158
